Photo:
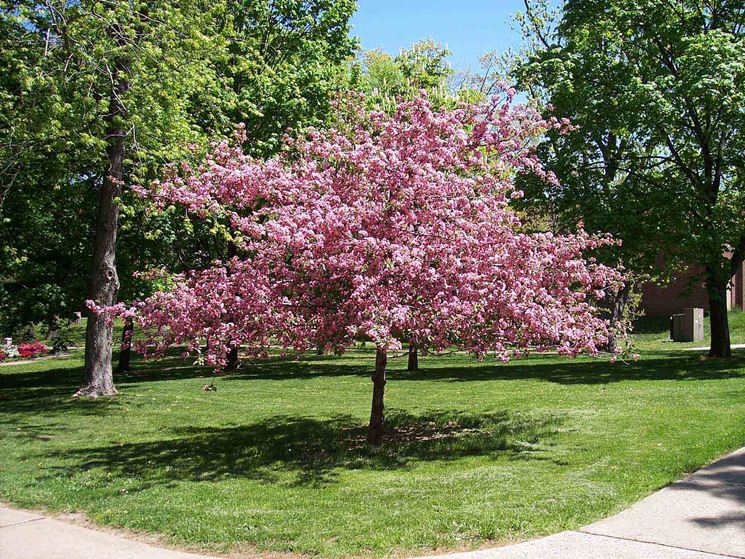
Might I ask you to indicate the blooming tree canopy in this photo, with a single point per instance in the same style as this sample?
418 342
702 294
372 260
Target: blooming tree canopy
384 228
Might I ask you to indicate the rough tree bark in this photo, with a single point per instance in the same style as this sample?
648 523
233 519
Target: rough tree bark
125 350
98 378
720 338
616 313
413 363
375 429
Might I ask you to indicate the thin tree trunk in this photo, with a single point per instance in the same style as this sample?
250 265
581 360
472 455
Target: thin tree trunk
413 364
375 429
233 360
53 329
125 350
29 332
98 379
720 339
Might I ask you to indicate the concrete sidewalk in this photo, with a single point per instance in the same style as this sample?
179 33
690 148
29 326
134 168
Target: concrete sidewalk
699 517
27 535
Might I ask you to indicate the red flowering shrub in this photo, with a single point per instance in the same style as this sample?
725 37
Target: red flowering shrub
3 355
32 349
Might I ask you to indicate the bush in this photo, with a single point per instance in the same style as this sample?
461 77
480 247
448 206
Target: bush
32 349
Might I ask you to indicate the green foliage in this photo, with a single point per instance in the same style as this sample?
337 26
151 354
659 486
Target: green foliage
285 60
387 79
45 253
657 90
54 135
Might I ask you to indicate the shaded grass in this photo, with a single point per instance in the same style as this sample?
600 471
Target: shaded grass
312 449
274 459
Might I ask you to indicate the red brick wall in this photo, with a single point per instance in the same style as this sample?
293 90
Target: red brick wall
738 288
669 299
664 300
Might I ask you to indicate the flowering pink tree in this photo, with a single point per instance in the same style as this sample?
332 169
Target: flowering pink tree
394 227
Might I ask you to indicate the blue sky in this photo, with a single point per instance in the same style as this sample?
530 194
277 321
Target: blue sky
468 27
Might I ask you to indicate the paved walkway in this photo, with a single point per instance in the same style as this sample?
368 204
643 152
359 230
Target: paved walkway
733 346
27 535
699 517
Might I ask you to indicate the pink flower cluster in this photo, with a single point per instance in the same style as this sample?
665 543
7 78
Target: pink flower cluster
395 227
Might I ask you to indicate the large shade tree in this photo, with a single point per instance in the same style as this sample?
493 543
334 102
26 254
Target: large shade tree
99 94
393 227
284 61
657 90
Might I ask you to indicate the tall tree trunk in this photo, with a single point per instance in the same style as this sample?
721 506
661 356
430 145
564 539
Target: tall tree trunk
98 379
125 350
413 364
375 429
233 360
720 340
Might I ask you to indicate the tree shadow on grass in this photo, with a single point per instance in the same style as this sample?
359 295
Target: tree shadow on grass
306 451
549 368
169 368
51 390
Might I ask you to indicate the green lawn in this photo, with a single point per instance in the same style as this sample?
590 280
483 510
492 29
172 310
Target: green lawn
274 459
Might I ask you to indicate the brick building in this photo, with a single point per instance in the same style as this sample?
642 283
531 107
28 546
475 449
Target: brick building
672 298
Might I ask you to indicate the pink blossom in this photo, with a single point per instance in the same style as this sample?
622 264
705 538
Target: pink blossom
393 228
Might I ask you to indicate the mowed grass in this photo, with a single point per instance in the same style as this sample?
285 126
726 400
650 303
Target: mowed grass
274 460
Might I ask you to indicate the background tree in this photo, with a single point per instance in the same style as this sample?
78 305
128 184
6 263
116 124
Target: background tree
284 61
41 274
656 89
385 79
192 72
119 77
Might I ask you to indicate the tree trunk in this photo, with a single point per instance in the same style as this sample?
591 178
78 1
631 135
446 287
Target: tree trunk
53 329
616 315
720 340
29 332
375 429
125 350
233 360
98 379
413 364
